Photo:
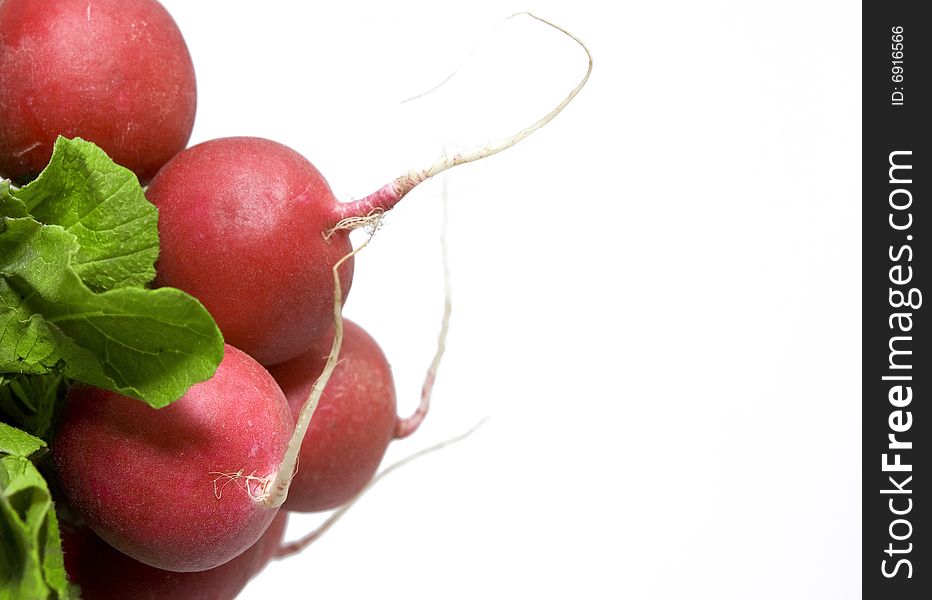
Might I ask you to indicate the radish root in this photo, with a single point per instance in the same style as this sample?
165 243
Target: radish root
281 481
298 545
370 223
469 55
407 426
386 197
253 485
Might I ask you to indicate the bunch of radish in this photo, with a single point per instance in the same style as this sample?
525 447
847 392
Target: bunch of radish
186 500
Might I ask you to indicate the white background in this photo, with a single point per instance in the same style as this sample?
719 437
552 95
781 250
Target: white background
656 298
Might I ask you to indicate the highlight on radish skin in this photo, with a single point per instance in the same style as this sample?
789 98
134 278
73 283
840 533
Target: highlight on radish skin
177 488
251 229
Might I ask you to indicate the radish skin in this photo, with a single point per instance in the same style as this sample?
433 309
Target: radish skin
114 72
103 573
240 222
177 488
352 426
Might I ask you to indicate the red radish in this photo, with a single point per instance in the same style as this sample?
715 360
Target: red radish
114 72
103 573
353 424
252 229
240 225
180 488
191 486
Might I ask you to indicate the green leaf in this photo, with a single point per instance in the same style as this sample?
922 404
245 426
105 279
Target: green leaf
31 565
31 401
10 206
17 442
103 206
53 560
148 344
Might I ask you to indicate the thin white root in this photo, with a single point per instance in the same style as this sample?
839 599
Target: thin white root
387 196
370 223
278 488
300 544
257 491
462 63
409 180
407 426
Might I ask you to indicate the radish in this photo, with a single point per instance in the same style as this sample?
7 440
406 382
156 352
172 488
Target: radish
178 488
191 486
114 72
240 222
353 424
252 229
104 573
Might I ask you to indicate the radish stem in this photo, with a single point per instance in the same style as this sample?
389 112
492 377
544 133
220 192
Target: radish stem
386 197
